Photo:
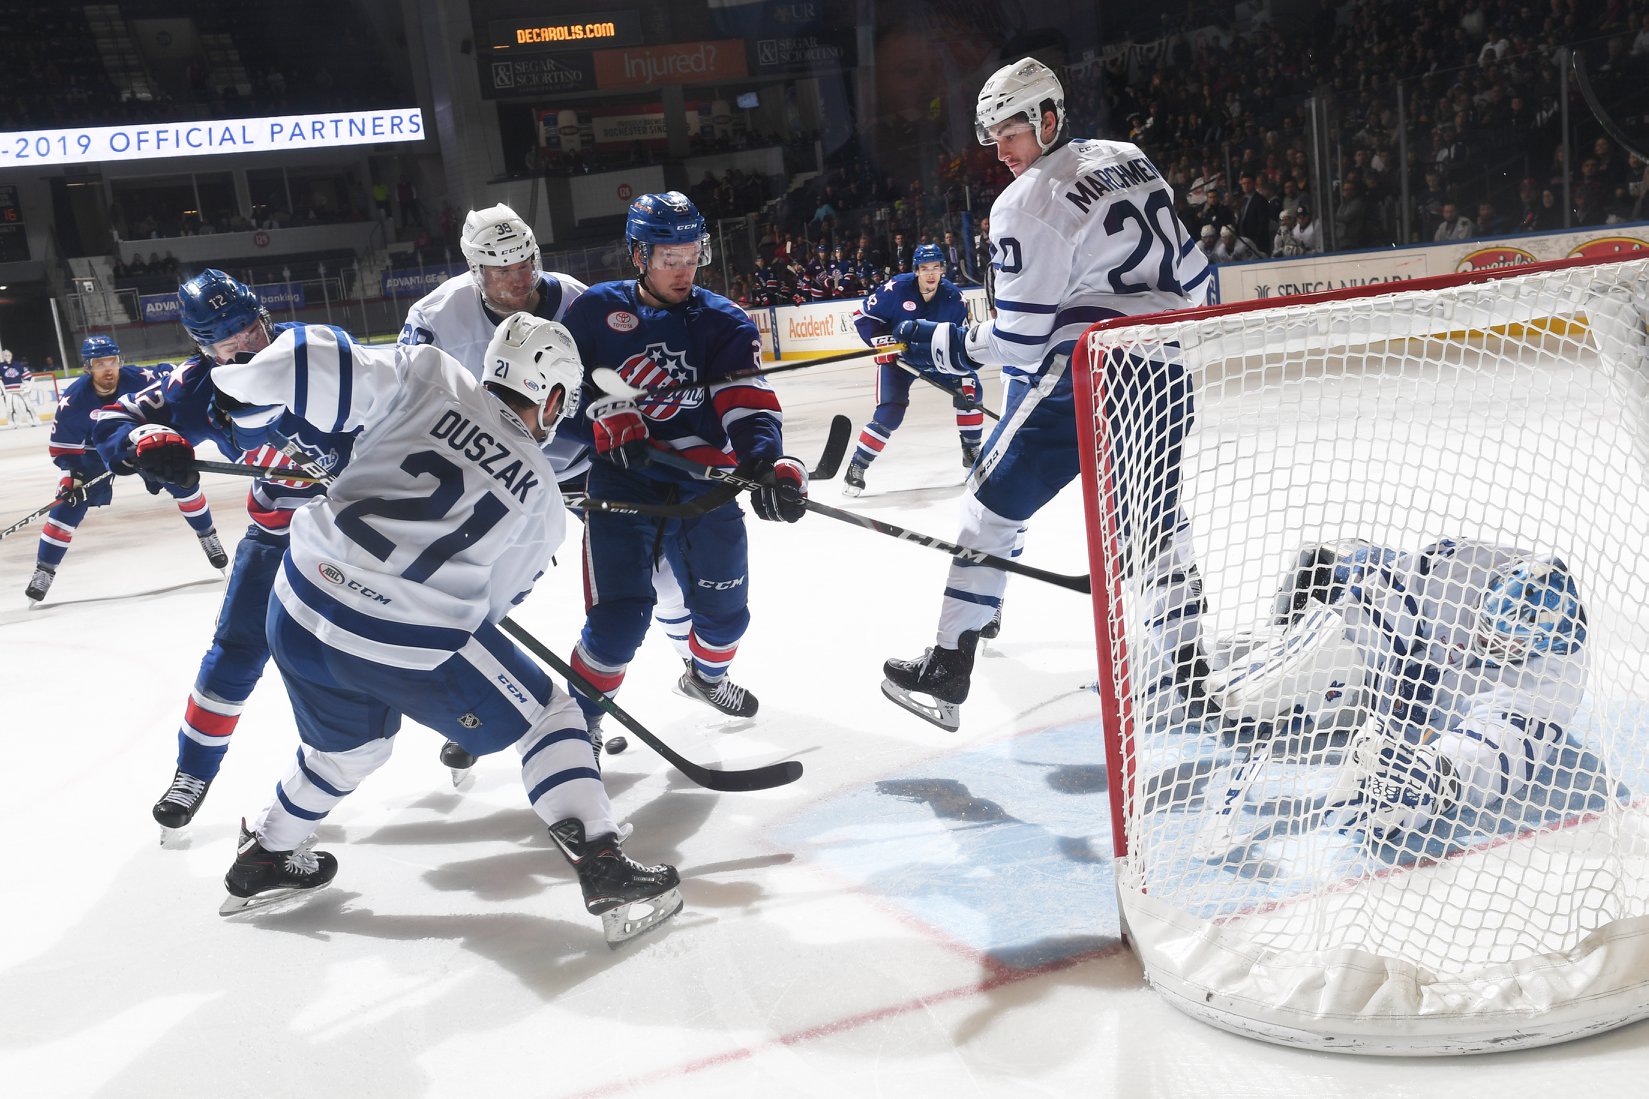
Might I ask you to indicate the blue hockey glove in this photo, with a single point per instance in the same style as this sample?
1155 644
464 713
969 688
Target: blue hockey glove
935 345
782 498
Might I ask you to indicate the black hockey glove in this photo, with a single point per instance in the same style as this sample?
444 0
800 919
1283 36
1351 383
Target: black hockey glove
782 497
163 457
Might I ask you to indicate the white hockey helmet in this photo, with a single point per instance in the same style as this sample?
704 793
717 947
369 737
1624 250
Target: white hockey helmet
497 237
1019 89
537 359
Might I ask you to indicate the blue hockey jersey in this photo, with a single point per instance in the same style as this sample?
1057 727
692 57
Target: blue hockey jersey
183 402
706 340
72 449
899 299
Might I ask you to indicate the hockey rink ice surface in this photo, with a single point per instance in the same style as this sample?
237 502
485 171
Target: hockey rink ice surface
922 914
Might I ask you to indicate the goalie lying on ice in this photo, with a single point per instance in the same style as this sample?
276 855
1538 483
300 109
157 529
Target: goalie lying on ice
1454 669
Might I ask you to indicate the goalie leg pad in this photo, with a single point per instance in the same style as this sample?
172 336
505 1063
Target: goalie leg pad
1311 671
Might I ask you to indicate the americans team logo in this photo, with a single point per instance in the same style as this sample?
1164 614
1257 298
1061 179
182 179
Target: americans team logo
659 365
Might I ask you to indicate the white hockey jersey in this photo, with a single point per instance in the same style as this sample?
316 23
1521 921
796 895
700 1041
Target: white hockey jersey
445 516
1415 617
1086 233
454 318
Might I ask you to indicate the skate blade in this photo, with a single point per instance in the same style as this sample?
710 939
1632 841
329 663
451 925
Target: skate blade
462 777
175 839
851 490
946 715
618 925
270 900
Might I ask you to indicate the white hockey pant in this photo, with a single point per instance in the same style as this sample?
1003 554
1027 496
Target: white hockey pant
1496 754
559 771
317 783
973 592
670 611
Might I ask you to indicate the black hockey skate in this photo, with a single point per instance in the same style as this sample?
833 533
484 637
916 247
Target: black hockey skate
970 454
40 583
724 694
212 546
853 481
458 759
613 883
261 877
941 674
179 804
989 630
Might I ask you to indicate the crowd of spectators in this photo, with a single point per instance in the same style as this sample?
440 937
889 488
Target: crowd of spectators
1222 109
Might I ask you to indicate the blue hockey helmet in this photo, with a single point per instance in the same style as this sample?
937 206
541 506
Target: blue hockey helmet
1530 607
926 253
99 346
668 218
214 306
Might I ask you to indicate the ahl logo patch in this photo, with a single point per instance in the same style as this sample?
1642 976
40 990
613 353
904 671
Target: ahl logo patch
332 574
656 366
622 321
909 307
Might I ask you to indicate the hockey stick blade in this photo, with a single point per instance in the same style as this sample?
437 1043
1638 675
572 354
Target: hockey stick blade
979 557
38 512
611 382
756 778
841 430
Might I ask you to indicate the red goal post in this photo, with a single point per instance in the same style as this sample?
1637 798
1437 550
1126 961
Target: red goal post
1508 407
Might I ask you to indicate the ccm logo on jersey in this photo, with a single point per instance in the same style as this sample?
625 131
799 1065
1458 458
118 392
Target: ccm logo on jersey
623 322
333 575
721 585
515 692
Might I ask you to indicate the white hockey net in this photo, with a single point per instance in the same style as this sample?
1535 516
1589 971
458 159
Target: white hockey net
1509 412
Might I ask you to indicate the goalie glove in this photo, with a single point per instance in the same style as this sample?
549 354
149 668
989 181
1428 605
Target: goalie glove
782 497
163 457
620 432
890 357
1389 786
937 346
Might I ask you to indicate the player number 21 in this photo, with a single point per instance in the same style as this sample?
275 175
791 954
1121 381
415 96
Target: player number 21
448 490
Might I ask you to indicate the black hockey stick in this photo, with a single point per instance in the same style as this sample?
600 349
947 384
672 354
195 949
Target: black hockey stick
33 515
979 557
830 460
274 473
756 778
609 380
941 386
1633 145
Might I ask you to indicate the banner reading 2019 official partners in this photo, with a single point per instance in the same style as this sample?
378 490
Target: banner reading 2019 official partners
273 133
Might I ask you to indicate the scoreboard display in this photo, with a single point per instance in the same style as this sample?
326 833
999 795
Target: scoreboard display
595 31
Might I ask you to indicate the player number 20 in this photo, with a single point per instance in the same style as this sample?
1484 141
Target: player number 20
1153 238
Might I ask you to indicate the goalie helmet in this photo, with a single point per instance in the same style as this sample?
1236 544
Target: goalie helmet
1019 89
98 347
214 307
926 253
668 218
1530 607
536 359
497 237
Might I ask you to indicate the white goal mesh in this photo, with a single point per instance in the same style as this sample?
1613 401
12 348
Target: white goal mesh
1382 789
